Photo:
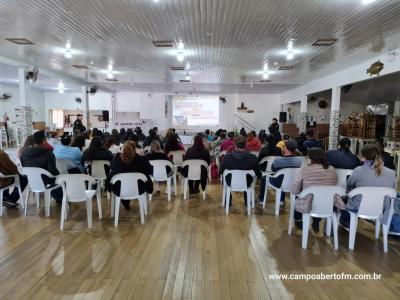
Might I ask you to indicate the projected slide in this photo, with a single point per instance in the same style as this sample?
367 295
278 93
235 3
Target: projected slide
195 111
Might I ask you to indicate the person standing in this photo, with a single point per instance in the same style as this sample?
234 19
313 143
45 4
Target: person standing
274 126
78 125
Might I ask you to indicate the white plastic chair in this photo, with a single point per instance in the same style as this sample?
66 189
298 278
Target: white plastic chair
371 208
288 176
129 191
238 184
194 173
16 184
74 190
256 153
342 175
268 160
160 174
63 165
322 207
98 172
36 186
177 157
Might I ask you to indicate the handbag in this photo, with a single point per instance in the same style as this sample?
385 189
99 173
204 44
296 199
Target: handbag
304 204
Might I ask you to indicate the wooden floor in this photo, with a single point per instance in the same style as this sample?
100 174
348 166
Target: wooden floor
185 250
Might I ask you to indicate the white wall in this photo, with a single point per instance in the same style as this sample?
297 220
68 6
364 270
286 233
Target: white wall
37 103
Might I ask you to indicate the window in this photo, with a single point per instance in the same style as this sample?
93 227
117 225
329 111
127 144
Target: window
58 118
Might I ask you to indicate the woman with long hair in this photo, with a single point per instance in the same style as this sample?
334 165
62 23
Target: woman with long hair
28 143
173 144
96 151
110 144
197 151
156 152
371 173
78 141
316 172
128 161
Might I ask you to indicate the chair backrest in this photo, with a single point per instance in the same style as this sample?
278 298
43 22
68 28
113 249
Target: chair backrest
35 180
222 153
98 169
268 160
342 175
256 153
322 203
288 176
239 179
129 184
160 170
74 185
194 168
177 157
372 200
146 149
63 165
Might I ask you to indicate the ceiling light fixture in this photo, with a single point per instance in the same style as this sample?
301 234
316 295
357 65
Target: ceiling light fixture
366 2
181 45
265 72
68 51
61 87
265 75
290 53
180 57
187 77
110 73
187 67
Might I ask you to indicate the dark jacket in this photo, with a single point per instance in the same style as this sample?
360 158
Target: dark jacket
311 143
342 159
240 160
149 139
156 156
139 164
38 157
203 154
388 161
7 167
269 150
99 154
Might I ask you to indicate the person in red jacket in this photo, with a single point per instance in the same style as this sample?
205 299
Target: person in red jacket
252 143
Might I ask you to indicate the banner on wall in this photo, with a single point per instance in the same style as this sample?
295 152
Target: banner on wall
146 125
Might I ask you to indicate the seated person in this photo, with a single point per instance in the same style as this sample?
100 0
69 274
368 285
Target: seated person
371 173
79 142
289 160
388 160
228 142
343 158
270 149
197 151
65 151
173 144
110 144
281 143
300 143
54 140
38 156
252 143
240 159
316 172
128 161
96 151
311 142
156 153
153 136
7 167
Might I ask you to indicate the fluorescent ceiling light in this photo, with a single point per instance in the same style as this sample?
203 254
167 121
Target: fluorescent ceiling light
365 2
180 57
181 45
265 75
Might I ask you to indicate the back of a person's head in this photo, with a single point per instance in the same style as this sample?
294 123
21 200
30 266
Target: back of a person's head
285 137
78 141
345 144
114 132
111 140
66 140
39 137
240 142
155 147
138 130
291 145
207 131
250 135
128 152
310 134
222 135
380 144
152 133
198 142
96 143
28 141
318 156
122 131
372 154
231 134
302 135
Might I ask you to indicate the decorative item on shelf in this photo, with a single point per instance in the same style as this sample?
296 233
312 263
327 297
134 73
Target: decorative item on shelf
323 104
243 108
375 68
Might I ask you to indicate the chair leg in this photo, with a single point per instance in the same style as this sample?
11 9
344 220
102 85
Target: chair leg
1 202
223 195
145 204
291 215
249 204
47 198
169 189
353 230
175 188
185 188
117 201
205 192
306 224
37 197
228 200
99 208
328 226
20 195
335 231
265 192
385 229
112 205
277 201
377 228
89 212
63 212
26 200
142 208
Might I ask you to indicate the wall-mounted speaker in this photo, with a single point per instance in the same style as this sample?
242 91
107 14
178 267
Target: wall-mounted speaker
106 117
283 117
